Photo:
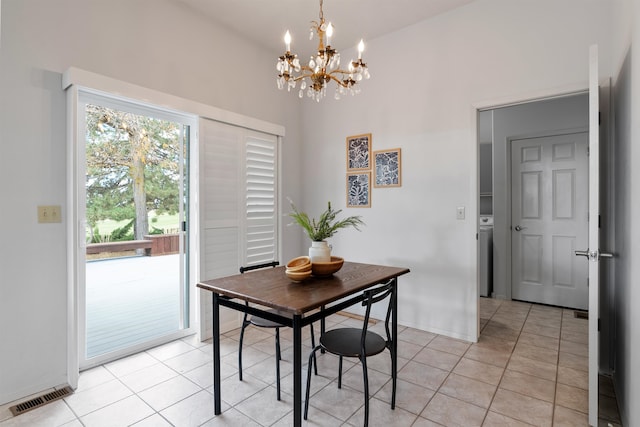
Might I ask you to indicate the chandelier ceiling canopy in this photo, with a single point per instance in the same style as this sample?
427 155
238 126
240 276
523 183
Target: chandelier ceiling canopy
322 68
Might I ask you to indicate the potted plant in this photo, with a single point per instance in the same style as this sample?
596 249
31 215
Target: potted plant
319 231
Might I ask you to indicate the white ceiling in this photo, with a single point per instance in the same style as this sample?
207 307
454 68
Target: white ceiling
265 21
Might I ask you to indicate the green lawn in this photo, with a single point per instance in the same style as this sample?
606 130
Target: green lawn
164 221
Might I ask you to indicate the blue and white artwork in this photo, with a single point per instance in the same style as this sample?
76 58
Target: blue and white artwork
387 166
358 149
358 190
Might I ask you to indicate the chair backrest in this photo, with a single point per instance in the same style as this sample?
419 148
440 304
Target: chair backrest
373 296
273 264
259 266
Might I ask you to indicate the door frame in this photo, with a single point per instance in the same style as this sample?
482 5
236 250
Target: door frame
490 104
112 101
74 82
476 108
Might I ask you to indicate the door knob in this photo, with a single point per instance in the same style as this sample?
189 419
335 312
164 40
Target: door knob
592 255
518 228
582 253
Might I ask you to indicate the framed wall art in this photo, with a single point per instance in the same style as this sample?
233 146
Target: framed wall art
359 152
359 189
388 168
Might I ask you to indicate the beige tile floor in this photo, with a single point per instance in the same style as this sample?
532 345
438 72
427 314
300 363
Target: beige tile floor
528 368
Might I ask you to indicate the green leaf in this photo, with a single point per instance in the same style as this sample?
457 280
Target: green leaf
326 226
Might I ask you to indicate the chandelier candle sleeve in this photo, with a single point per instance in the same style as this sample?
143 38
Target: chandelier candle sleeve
322 68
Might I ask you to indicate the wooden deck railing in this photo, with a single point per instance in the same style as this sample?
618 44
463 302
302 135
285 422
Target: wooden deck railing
153 244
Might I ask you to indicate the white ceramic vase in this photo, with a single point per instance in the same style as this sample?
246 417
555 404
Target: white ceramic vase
320 252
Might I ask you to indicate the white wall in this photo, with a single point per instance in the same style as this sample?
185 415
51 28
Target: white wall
626 94
425 80
152 43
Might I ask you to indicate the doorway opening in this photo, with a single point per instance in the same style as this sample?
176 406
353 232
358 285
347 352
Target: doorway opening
498 129
134 293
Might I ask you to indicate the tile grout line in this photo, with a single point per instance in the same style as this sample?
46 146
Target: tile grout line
436 391
508 361
555 388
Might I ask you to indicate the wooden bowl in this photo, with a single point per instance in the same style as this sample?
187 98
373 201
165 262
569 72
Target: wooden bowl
298 276
327 268
301 263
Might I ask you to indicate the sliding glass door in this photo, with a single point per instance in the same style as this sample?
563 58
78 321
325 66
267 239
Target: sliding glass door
135 290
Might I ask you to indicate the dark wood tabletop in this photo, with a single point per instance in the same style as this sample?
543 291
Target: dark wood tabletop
272 288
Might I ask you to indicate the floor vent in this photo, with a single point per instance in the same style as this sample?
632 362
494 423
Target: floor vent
581 314
39 401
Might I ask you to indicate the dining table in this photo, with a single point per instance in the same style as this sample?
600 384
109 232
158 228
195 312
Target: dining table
270 294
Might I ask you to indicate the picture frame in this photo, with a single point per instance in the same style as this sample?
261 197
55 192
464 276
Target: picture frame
359 189
359 152
388 168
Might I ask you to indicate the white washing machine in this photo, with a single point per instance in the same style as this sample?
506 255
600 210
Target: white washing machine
486 255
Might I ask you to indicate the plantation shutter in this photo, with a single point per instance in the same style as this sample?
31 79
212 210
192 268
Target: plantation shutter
261 226
238 207
220 218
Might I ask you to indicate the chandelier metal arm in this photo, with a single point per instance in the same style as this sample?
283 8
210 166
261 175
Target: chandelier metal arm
341 82
309 73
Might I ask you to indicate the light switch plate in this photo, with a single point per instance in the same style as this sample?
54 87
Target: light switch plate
49 214
460 212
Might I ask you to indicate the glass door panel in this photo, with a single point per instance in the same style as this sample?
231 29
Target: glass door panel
136 291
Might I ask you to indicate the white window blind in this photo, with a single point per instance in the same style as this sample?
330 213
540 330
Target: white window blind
261 221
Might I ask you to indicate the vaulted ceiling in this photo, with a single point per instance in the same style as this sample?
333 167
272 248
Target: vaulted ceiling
264 22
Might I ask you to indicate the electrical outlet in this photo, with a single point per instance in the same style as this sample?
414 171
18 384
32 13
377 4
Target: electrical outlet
460 212
49 214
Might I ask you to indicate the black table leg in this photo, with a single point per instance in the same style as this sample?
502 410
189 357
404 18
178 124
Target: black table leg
322 331
394 344
216 354
297 370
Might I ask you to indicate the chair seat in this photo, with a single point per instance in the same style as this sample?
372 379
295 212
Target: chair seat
265 323
346 342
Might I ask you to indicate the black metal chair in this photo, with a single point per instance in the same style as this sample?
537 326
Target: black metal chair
360 343
265 323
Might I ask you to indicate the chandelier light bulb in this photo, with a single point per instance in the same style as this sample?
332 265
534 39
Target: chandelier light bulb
360 48
287 40
329 34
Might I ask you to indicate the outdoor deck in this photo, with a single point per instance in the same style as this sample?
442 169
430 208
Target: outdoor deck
130 300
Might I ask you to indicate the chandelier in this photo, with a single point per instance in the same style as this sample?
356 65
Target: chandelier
322 68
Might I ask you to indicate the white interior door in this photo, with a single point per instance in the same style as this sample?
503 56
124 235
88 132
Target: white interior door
593 251
549 219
